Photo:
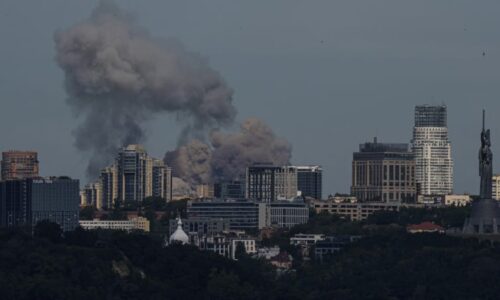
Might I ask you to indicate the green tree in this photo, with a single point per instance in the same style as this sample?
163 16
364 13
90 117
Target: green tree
48 230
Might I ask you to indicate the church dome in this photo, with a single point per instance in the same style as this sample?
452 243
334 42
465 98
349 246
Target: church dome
179 236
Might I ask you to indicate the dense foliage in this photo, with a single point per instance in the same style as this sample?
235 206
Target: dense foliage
387 263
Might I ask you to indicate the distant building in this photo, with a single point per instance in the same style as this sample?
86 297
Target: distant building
205 191
19 165
432 149
496 187
309 181
234 189
354 211
139 223
425 227
286 214
91 195
241 215
268 183
109 186
135 176
331 245
55 199
308 240
208 226
383 173
245 215
24 202
457 200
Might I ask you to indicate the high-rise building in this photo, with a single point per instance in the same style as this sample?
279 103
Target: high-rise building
134 173
309 181
91 195
383 173
162 180
432 149
25 202
267 183
19 164
135 176
109 186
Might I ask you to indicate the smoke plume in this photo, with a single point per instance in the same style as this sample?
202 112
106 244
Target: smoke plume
228 154
117 77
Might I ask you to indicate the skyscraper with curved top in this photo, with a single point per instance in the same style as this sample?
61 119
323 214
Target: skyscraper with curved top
432 150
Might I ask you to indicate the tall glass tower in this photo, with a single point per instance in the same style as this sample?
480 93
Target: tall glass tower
432 150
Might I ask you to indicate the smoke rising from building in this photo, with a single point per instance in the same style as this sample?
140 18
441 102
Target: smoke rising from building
228 154
117 77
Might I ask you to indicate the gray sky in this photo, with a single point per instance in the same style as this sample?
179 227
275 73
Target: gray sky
326 75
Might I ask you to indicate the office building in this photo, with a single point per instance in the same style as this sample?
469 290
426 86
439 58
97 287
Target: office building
286 214
244 215
432 149
19 165
241 215
234 189
383 173
134 224
201 226
309 181
55 199
268 183
25 202
15 205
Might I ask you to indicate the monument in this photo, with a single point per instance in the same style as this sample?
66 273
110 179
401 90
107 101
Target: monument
485 213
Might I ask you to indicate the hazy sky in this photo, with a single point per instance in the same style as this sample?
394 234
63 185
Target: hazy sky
326 75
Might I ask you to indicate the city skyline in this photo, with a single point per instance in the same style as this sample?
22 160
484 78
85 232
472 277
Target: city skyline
342 106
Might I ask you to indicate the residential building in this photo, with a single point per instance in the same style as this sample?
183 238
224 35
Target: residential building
268 183
495 187
135 224
383 172
19 165
309 181
109 186
162 180
135 176
432 149
247 242
91 195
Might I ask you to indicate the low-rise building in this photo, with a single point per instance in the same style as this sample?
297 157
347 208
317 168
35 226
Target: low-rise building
425 227
457 200
354 211
331 245
139 223
308 240
201 225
